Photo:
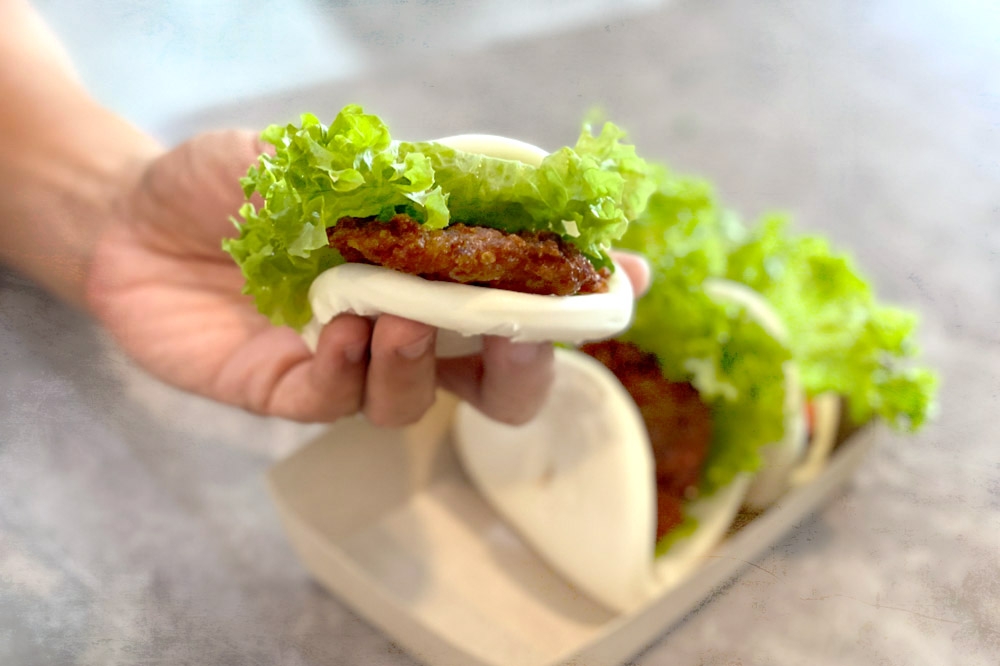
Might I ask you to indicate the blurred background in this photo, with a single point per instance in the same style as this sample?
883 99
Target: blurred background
158 63
129 535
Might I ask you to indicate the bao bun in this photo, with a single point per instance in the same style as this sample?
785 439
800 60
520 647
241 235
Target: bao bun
578 484
578 481
465 312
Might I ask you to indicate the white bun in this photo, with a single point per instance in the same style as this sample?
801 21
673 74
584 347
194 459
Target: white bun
464 313
727 291
826 419
578 484
779 458
496 146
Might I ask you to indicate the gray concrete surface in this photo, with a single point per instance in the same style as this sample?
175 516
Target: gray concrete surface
134 523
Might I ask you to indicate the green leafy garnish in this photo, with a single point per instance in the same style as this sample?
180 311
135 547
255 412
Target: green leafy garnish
686 528
842 339
839 337
729 357
319 174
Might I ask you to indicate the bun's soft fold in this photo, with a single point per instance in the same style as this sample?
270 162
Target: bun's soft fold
578 484
496 146
463 313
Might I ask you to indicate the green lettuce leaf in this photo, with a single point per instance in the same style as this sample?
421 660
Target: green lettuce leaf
319 174
686 528
684 229
841 338
734 363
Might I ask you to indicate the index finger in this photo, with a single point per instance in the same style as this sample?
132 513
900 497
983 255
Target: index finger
636 267
508 382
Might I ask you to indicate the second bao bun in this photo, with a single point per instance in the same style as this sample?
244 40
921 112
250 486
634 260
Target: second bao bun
578 482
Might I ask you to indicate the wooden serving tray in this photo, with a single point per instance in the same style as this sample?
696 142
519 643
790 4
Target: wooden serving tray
388 522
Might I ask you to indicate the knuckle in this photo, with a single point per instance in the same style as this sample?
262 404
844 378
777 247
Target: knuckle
516 417
380 418
399 415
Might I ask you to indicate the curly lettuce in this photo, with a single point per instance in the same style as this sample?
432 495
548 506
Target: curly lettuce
352 168
843 340
839 336
718 347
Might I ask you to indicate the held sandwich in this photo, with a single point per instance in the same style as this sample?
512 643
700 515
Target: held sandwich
474 234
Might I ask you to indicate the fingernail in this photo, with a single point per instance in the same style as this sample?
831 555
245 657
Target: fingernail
354 353
524 352
415 350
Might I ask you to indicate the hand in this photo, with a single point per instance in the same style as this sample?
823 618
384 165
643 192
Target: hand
163 287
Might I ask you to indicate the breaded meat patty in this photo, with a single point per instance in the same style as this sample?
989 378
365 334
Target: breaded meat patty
532 262
678 422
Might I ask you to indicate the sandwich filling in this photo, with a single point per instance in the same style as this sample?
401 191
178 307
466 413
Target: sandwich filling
570 204
531 262
678 422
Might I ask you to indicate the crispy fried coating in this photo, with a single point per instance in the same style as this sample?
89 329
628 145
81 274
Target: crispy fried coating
679 424
528 262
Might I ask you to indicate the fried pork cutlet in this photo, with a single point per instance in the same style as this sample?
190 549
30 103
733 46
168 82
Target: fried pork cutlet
529 262
679 424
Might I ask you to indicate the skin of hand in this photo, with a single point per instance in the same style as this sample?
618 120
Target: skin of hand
160 283
105 219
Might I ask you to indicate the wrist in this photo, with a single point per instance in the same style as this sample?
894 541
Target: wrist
69 180
66 160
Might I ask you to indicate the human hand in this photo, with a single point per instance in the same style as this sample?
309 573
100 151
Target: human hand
171 297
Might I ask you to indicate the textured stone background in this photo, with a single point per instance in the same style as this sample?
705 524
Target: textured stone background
134 523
